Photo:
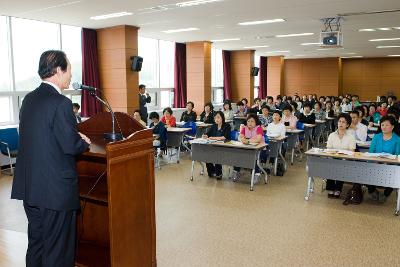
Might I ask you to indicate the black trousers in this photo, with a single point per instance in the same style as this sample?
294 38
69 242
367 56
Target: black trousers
387 191
214 168
333 185
51 237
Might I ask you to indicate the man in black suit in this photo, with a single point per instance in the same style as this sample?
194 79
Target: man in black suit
144 98
45 176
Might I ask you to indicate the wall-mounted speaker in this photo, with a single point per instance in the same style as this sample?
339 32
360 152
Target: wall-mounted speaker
254 71
136 63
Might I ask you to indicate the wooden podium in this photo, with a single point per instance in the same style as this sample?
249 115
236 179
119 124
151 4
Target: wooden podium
116 225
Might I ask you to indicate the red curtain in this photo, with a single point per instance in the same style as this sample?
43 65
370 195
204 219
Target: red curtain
90 72
262 89
180 76
226 59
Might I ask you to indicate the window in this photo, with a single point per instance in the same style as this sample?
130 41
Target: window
255 91
41 36
157 71
5 66
217 76
22 42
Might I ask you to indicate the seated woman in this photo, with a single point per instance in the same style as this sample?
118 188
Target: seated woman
265 117
227 109
374 115
329 109
251 133
189 114
241 112
288 119
158 128
136 116
383 109
337 109
257 104
307 116
219 131
319 112
340 139
168 119
385 142
207 116
276 128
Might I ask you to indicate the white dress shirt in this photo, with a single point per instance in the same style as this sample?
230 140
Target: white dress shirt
52 84
278 130
360 133
347 142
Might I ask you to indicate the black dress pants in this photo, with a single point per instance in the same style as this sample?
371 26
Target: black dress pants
333 185
51 237
214 169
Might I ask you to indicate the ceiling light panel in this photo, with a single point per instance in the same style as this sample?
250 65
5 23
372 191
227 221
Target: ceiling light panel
294 34
196 3
258 22
181 30
112 15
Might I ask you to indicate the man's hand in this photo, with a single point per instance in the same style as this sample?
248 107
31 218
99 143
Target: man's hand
85 138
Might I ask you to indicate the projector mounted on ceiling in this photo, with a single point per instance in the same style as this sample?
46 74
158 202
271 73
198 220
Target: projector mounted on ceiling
331 35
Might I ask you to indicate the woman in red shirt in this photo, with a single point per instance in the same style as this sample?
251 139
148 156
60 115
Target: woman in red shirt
168 119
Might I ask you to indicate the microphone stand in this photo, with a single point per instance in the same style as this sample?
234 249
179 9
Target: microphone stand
109 136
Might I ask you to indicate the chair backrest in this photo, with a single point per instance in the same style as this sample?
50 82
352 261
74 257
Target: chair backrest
266 139
234 135
9 136
192 125
300 125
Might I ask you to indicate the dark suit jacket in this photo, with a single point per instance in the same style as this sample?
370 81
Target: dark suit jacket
45 174
143 99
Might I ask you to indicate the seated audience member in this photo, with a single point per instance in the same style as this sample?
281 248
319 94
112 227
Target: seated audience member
307 116
276 128
346 105
383 109
136 116
207 116
251 133
257 106
355 102
265 117
245 103
322 101
374 115
168 119
289 100
395 113
279 103
310 100
189 114
319 112
227 109
328 99
270 103
385 142
304 99
241 112
296 111
359 130
75 108
158 128
288 119
330 113
391 100
337 108
340 139
219 131
298 102
361 114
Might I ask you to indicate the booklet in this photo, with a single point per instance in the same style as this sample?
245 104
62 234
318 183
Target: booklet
380 155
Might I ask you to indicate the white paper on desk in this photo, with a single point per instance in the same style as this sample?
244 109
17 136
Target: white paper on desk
380 155
363 143
345 152
199 141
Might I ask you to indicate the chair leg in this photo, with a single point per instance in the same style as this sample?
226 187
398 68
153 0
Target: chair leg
10 160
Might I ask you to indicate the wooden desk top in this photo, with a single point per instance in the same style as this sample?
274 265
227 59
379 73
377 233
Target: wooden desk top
358 156
234 144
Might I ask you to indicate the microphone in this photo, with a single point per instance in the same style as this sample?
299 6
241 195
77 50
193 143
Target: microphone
78 86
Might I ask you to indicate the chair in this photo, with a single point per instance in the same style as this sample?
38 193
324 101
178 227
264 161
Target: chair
9 144
234 135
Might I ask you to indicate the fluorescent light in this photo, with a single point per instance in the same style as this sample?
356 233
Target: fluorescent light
112 15
384 29
385 39
256 46
366 30
195 3
310 44
282 51
299 55
294 34
261 22
353 57
351 53
181 30
393 55
225 40
330 48
388 46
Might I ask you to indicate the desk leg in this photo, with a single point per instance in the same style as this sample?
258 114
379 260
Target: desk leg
179 154
283 158
292 159
252 179
397 212
309 188
265 173
275 165
191 177
202 168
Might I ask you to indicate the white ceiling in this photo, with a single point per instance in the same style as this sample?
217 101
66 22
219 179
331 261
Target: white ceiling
219 20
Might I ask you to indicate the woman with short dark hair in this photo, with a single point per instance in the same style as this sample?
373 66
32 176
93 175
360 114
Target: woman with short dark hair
207 116
168 119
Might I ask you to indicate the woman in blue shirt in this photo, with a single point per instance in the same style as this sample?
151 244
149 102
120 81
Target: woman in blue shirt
384 142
